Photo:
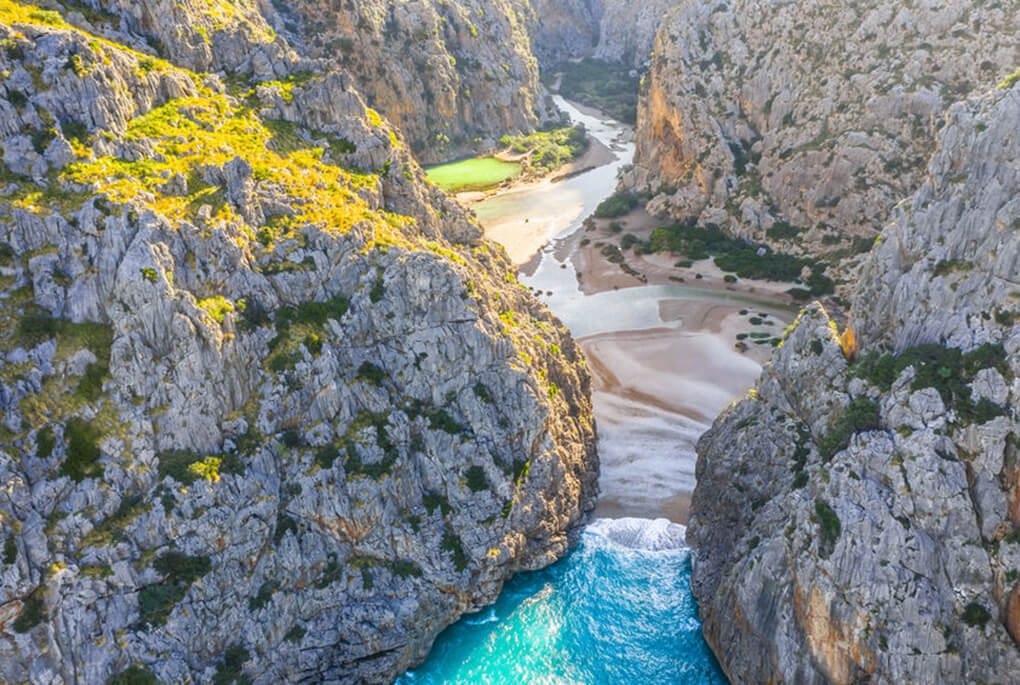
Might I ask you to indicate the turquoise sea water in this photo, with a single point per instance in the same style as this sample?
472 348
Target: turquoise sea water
618 609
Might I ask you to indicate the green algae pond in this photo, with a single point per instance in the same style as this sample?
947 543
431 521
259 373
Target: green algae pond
479 173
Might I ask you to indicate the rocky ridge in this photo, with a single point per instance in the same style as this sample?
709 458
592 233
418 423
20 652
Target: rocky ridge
858 521
811 116
271 407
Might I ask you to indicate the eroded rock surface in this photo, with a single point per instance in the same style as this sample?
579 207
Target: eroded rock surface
270 405
816 114
859 521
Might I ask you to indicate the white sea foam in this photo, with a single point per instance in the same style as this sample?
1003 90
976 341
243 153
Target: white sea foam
645 534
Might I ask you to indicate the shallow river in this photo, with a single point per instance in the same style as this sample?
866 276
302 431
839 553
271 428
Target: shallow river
619 607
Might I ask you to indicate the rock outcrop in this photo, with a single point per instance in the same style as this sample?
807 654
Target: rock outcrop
859 521
271 407
627 30
452 76
815 114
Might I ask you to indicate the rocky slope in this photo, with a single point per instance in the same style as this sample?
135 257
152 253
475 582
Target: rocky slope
453 76
860 521
818 115
271 408
627 30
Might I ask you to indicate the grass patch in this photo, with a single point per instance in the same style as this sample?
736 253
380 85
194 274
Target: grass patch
472 174
545 151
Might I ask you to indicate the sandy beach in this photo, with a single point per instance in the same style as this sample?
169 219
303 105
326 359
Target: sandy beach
665 361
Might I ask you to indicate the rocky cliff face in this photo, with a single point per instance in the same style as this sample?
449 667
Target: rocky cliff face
454 77
859 521
565 29
627 30
815 114
270 405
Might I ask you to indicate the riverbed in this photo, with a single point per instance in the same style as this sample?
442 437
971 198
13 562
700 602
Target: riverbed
665 357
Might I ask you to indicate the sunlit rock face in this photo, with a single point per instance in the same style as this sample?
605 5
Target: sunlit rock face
857 521
271 407
816 114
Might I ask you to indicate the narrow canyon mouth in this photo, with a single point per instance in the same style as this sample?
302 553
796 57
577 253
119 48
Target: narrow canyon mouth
664 364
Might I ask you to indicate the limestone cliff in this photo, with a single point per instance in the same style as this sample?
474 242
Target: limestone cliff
271 407
627 30
453 76
859 521
819 115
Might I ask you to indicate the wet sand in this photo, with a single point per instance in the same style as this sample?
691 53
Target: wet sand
534 212
655 392
658 389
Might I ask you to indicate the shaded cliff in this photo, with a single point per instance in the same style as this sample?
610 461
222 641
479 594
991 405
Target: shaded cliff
858 521
815 115
271 407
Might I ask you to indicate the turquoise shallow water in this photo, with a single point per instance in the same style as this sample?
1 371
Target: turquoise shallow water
618 609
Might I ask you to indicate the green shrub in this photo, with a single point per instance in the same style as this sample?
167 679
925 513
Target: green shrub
831 528
182 568
253 314
441 420
229 670
6 255
90 387
975 615
406 569
433 501
782 230
134 675
82 451
263 596
111 528
371 373
295 634
946 369
176 464
33 612
616 205
45 441
861 415
155 602
378 291
10 549
451 543
476 479
482 393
